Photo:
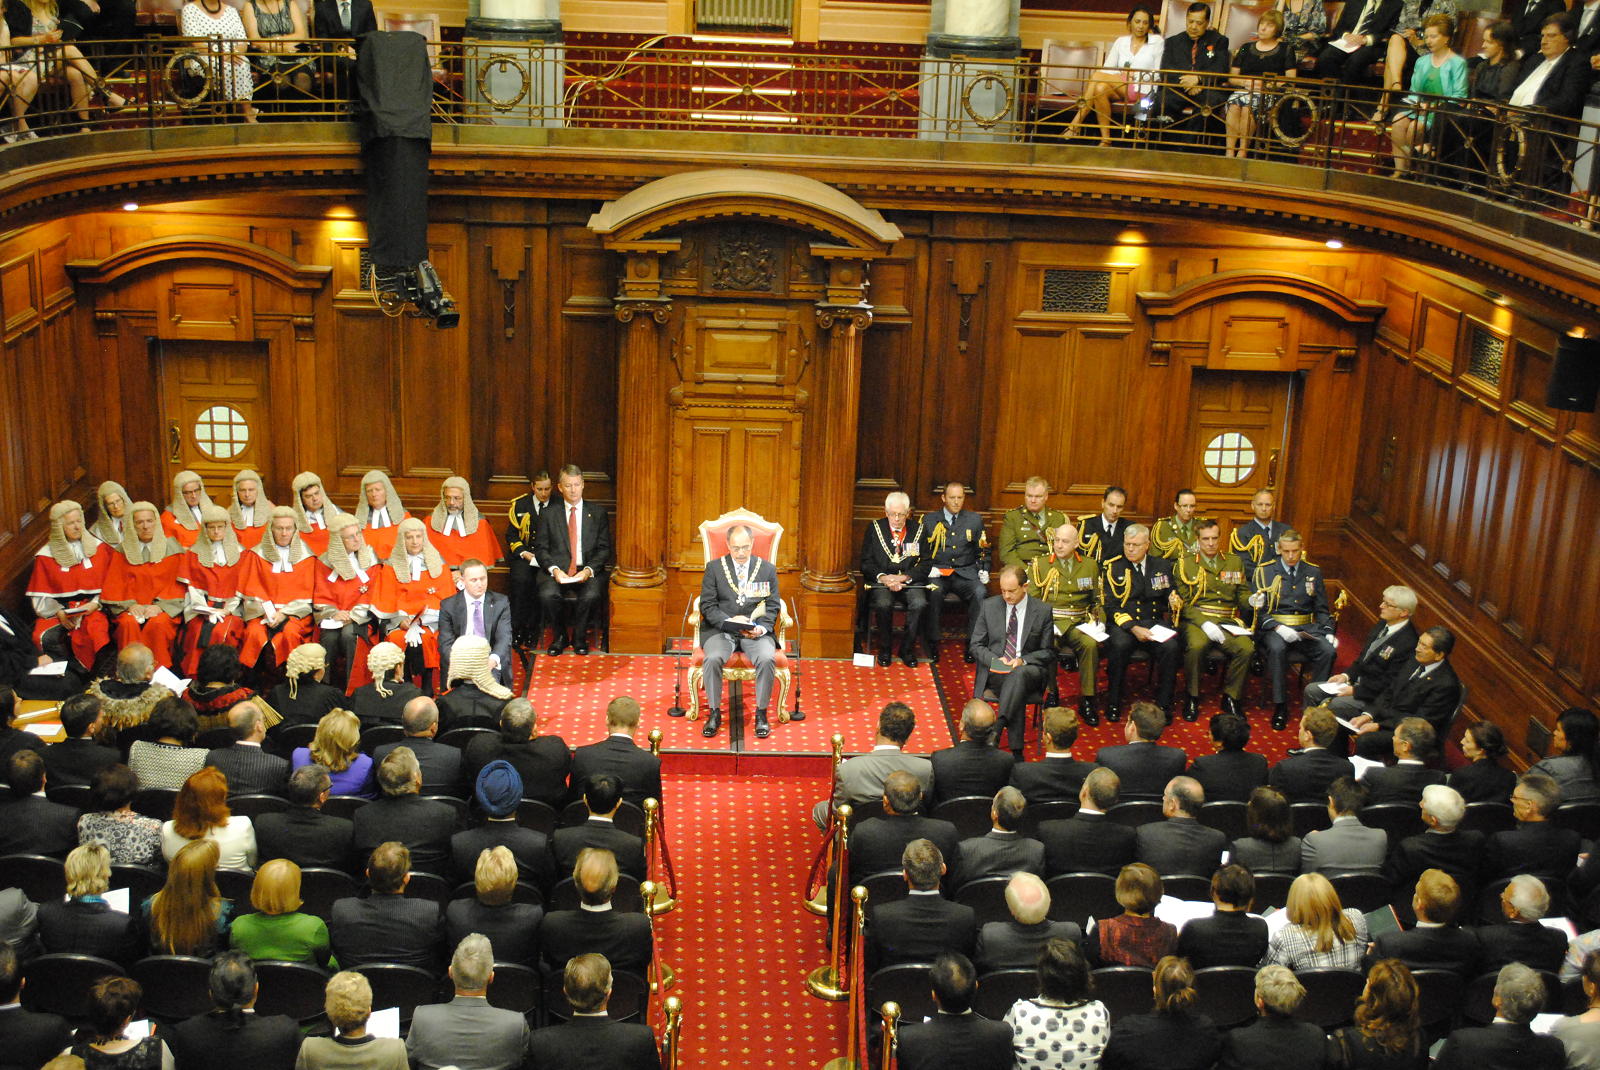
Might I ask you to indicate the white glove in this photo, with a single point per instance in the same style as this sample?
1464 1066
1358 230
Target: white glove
983 576
1333 641
1287 634
414 634
1258 599
1214 632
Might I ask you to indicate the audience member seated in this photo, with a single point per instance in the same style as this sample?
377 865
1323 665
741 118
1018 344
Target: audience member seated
1321 934
1231 936
1459 852
1428 688
954 1036
624 939
249 769
76 759
918 927
423 825
1387 1034
1387 652
1061 1028
103 1043
303 698
201 812
1346 845
1180 843
440 764
876 844
1058 777
602 797
475 696
348 1004
1136 937
1483 778
279 930
1506 1043
386 926
541 761
1572 761
1521 937
1579 1034
1413 743
1233 772
591 1038
861 779
512 927
129 698
1272 846
216 688
303 834
1003 850
1276 1038
468 1033
84 923
132 839
1173 1036
1437 943
1143 766
31 1037
498 792
188 916
1305 774
12 738
232 1036
31 824
1012 945
1088 841
618 754
385 696
974 766
1536 846
170 758
336 747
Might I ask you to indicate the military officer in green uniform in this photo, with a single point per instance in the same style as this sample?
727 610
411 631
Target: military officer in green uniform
1025 531
1293 617
1173 536
1215 590
1069 583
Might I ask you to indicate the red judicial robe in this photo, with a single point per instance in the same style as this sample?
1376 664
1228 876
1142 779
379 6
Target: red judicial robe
215 587
355 595
482 544
145 584
266 592
76 590
185 534
420 597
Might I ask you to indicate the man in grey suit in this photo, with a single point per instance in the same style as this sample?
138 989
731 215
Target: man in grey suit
467 1032
739 589
249 769
1181 844
1013 641
476 610
1345 846
861 779
1015 944
1003 850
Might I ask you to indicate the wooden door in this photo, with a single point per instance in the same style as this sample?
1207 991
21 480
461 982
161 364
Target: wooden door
215 416
1238 439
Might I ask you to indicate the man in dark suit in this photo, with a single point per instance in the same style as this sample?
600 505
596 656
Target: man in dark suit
1143 767
602 796
541 761
1443 846
596 926
1437 943
1413 743
440 764
894 574
215 1040
638 770
19 656
1521 937
1233 772
954 1036
1346 845
1387 649
1305 774
31 824
1360 39
974 766
591 1039
1230 936
1555 80
1181 844
1506 1043
924 923
1014 644
423 825
342 21
1087 841
1276 1038
76 759
1536 846
476 610
497 792
1015 944
32 1038
249 769
1003 850
1527 18
955 551
1586 13
878 843
303 833
1189 101
574 548
522 566
1059 776
739 606
1139 593
1430 690
386 926
1101 535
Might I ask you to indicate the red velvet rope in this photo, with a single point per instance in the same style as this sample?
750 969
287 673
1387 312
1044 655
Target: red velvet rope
666 853
812 885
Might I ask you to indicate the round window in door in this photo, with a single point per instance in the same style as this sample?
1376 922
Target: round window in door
221 432
1230 458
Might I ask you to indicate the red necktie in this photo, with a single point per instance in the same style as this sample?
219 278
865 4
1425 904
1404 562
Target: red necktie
1011 634
572 539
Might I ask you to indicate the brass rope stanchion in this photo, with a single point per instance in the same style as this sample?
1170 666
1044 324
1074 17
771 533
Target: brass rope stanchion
855 1016
816 894
656 737
828 981
669 1055
655 842
890 1013
664 976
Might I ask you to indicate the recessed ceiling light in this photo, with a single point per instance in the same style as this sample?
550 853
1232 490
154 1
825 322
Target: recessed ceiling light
1334 243
131 206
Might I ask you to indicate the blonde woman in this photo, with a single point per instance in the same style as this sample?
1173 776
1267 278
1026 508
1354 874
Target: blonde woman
335 746
1320 933
44 35
348 1002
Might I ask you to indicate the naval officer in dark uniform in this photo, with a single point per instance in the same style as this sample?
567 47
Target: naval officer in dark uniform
1293 606
1138 594
956 553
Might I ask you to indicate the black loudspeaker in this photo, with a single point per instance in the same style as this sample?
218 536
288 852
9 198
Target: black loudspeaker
1575 379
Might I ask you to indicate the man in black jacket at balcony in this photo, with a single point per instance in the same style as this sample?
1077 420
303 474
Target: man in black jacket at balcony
342 23
1191 103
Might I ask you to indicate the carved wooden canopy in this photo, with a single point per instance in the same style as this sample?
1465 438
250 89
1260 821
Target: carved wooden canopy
1226 284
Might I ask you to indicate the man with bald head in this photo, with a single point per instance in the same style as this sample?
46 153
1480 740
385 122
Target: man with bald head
974 766
249 769
1181 844
623 938
1139 594
1068 581
441 764
1015 944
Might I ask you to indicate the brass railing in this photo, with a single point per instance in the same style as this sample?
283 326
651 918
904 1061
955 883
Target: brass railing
1522 158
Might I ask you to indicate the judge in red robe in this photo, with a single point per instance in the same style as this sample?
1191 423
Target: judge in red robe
278 589
142 592
414 583
68 574
212 572
380 512
181 519
111 519
457 531
346 586
313 512
250 511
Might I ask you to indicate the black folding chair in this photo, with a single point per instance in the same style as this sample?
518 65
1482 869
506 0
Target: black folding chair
1272 890
1035 814
253 806
987 898
1439 997
515 987
321 887
344 806
1135 812
235 884
1226 816
59 984
536 815
405 987
155 802
1488 817
906 984
998 990
1077 897
1309 817
1330 996
1399 820
1190 887
1364 891
460 737
886 887
1125 990
292 736
968 813
292 988
141 881
39 876
423 885
77 796
378 735
176 987
1584 817
1226 994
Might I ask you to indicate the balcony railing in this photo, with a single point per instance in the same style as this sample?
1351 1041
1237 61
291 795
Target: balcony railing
1518 157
